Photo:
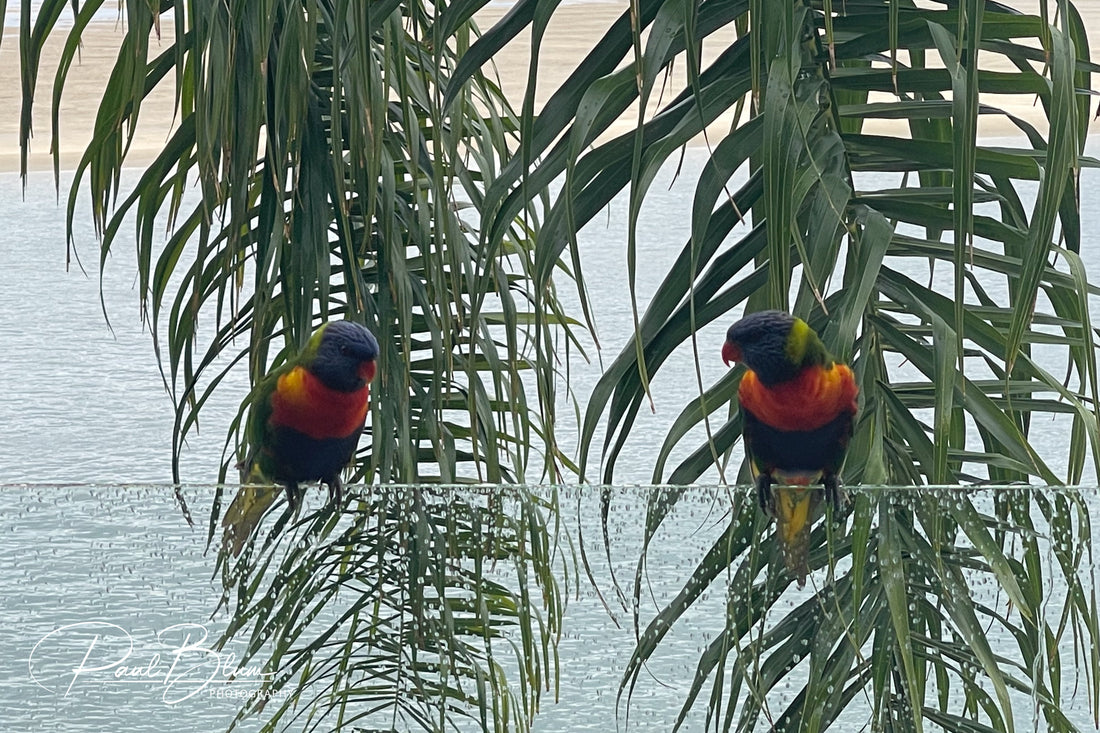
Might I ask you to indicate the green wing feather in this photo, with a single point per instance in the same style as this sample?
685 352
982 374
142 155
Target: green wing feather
258 490
256 468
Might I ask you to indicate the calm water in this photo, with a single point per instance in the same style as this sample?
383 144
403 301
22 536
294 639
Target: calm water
88 407
110 11
91 385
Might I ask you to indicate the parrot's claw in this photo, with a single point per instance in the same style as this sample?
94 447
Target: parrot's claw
834 497
764 494
335 491
293 495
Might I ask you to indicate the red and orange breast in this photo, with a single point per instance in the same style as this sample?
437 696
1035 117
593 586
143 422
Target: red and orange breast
812 399
302 402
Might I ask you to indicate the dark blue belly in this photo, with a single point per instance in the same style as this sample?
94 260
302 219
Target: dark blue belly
802 450
300 458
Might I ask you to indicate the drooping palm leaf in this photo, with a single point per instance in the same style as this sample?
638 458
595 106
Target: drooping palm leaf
324 166
335 182
419 609
920 256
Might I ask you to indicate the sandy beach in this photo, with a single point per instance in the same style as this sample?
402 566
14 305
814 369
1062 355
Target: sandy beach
572 33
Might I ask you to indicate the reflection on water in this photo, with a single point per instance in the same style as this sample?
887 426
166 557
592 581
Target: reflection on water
107 597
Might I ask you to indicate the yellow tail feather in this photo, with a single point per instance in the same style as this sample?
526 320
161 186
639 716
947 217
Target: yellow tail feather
793 507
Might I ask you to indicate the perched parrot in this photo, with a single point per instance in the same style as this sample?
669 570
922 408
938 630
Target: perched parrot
304 424
799 408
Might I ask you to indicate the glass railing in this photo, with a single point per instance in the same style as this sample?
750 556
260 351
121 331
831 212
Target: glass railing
553 608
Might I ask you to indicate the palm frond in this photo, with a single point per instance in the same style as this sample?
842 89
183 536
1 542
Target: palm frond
420 608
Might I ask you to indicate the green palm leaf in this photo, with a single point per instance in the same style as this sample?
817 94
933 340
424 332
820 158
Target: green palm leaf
950 385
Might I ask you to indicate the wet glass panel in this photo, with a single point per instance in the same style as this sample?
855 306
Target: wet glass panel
572 608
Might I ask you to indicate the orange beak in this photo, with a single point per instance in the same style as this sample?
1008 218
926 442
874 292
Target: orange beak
730 352
366 371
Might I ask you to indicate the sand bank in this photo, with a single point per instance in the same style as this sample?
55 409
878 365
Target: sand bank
572 34
87 79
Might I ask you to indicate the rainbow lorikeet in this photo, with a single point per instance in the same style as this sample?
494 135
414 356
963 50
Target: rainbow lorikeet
799 408
304 424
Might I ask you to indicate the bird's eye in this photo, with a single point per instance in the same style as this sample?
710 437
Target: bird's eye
344 349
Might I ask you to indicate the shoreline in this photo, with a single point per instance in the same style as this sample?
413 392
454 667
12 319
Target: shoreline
571 34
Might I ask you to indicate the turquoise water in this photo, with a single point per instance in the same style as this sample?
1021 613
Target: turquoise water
92 385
